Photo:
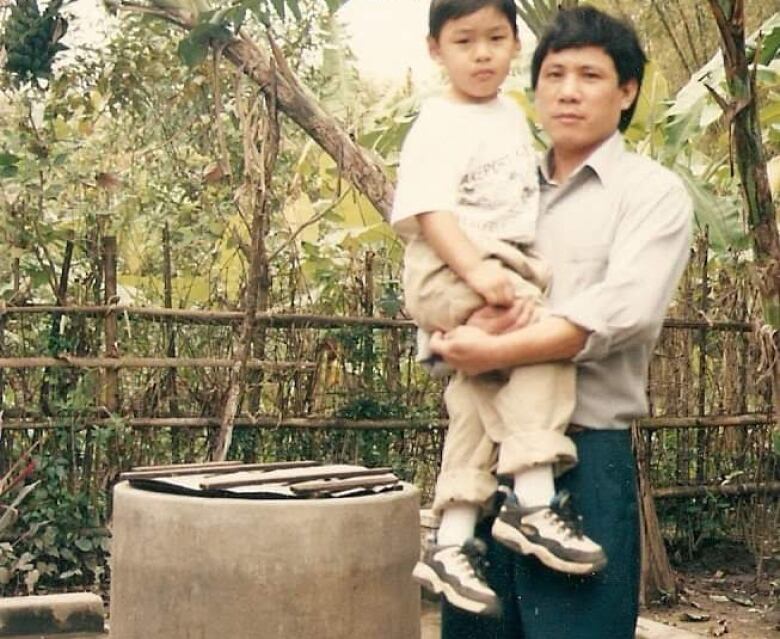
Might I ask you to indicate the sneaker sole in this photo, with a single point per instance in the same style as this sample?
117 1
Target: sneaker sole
428 579
513 539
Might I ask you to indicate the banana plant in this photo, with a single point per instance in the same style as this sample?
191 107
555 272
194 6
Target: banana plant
685 132
740 108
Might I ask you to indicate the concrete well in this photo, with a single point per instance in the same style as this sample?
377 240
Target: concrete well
211 568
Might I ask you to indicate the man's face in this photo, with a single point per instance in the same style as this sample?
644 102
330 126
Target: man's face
476 50
579 99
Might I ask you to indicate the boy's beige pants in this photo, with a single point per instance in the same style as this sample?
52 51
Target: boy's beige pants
501 422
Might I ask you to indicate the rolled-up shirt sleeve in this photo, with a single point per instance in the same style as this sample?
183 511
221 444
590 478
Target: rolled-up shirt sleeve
647 256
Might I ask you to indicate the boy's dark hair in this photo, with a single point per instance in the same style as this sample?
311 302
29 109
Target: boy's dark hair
442 11
588 27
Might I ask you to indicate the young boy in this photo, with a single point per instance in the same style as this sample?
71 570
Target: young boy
466 204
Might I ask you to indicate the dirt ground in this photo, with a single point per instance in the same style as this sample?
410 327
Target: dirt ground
719 597
723 619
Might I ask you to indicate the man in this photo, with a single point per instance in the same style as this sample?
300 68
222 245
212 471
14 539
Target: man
615 228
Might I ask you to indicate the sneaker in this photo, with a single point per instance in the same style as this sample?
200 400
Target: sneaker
456 572
553 533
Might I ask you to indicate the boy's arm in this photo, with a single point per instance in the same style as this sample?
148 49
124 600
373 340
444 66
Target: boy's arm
443 234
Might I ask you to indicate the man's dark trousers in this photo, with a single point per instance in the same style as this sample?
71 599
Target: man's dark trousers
539 603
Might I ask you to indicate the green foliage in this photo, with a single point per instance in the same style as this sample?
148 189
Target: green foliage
696 521
689 136
32 39
57 542
369 408
8 164
214 26
194 48
769 40
130 142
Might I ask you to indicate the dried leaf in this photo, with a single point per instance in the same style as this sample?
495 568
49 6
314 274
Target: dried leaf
213 173
695 616
720 628
108 181
742 600
30 579
719 598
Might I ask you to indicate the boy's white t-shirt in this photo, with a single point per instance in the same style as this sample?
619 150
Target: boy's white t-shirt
473 160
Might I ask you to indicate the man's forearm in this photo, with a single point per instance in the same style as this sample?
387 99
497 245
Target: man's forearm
473 351
551 339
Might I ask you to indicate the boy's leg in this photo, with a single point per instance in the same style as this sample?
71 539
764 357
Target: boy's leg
458 523
457 624
435 297
470 455
538 603
515 426
453 565
535 406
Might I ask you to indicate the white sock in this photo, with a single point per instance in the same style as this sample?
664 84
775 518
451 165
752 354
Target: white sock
457 524
535 486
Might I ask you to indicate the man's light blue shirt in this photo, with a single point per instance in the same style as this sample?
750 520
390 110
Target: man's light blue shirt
616 235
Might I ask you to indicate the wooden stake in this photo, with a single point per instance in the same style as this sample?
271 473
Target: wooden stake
111 347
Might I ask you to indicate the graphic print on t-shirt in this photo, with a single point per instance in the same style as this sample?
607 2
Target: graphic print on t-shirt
505 185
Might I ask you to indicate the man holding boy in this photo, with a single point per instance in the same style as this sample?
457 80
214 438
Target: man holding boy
615 229
467 203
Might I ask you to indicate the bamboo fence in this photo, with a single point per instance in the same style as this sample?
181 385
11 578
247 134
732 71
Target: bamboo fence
707 438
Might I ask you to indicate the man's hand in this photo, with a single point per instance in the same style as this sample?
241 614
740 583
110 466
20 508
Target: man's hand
467 348
503 319
491 281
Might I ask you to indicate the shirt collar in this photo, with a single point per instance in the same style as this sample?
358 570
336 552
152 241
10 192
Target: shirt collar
604 161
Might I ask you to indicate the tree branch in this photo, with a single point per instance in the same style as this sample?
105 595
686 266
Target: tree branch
363 170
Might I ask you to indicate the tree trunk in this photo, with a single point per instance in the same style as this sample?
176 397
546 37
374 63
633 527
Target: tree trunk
742 115
258 193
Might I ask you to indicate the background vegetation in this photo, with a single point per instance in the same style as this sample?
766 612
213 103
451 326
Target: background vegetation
156 140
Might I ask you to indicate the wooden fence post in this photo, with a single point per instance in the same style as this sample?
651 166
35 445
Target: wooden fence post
170 342
703 435
2 353
657 574
4 461
368 311
111 375
55 333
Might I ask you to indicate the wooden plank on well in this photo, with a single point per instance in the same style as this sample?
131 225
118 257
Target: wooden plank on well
293 475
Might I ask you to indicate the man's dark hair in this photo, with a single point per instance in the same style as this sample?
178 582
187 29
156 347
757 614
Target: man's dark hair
588 27
442 11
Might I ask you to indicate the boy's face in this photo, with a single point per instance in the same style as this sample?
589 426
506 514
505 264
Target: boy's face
579 97
476 50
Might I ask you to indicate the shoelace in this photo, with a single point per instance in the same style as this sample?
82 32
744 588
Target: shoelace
563 508
474 551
